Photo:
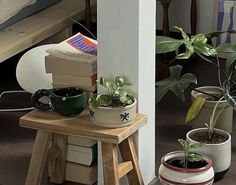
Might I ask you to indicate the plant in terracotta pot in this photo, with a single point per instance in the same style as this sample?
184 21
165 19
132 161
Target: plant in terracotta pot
177 83
114 108
186 167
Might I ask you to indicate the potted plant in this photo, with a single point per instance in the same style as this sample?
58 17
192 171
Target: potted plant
178 83
116 107
217 143
186 167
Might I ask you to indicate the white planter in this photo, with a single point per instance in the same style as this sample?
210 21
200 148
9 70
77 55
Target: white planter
219 153
225 119
169 174
114 117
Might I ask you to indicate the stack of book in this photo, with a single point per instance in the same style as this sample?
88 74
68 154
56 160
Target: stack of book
81 162
73 63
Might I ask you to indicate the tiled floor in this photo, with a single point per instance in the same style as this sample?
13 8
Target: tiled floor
16 143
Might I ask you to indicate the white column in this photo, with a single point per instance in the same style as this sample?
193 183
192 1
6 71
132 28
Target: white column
126 46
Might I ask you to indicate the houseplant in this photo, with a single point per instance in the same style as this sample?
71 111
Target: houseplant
177 83
186 167
116 107
198 45
217 143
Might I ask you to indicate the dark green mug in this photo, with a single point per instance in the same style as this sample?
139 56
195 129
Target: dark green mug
69 101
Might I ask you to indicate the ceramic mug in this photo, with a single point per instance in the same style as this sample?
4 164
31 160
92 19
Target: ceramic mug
69 101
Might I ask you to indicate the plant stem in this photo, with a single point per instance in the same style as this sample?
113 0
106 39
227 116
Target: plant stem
208 94
209 61
218 70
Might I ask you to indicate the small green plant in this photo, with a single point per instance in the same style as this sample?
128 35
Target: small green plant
115 95
189 156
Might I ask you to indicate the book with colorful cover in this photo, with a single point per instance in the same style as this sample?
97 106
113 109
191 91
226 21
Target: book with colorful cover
77 47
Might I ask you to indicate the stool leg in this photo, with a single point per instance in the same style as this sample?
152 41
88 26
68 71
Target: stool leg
110 163
57 159
128 153
38 159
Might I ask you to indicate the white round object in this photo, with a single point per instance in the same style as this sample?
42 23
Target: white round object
30 71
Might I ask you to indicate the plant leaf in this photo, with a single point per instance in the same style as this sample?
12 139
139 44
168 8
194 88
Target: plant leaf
230 61
105 83
195 109
226 48
105 100
167 44
174 83
205 49
195 145
184 35
121 81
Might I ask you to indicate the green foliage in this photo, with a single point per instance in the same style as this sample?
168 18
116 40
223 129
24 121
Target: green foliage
175 83
115 95
195 44
195 108
188 155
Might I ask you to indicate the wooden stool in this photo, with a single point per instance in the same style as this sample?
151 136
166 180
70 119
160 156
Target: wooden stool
48 123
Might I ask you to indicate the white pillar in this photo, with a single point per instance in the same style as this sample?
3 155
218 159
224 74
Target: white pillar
126 46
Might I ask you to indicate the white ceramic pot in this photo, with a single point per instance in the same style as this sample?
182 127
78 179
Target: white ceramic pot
225 119
219 153
169 174
114 117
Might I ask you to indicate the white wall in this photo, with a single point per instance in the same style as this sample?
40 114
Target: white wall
126 46
179 15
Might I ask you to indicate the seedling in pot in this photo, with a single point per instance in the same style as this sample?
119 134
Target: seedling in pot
190 159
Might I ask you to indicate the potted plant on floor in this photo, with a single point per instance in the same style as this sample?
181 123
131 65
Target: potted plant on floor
178 84
186 167
217 143
114 108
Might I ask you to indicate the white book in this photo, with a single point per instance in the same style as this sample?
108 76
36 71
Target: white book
81 174
82 155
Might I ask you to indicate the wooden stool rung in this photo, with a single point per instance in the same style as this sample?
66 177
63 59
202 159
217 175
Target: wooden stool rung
124 168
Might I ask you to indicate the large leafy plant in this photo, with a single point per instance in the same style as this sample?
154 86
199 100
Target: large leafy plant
197 44
115 95
178 83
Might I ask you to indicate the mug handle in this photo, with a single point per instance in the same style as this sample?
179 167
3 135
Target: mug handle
39 94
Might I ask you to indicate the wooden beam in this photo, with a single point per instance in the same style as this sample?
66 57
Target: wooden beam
38 159
124 168
110 164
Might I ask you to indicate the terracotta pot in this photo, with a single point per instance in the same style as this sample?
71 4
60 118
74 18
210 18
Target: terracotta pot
225 119
114 117
219 153
169 174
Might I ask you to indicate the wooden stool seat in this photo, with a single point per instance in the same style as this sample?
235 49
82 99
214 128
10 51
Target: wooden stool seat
49 123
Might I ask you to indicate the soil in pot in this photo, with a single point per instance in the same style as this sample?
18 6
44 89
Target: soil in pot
191 164
203 137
